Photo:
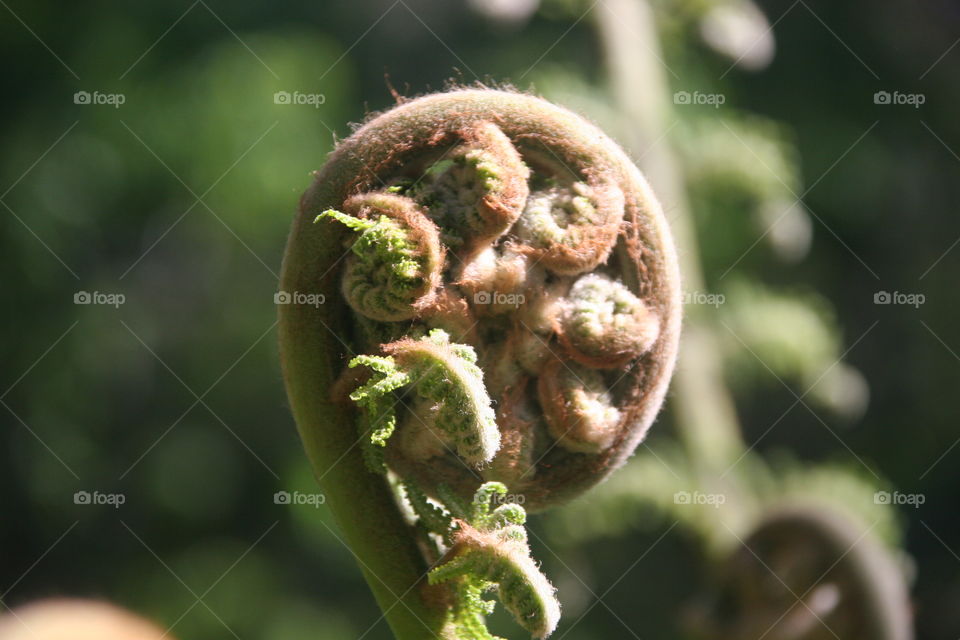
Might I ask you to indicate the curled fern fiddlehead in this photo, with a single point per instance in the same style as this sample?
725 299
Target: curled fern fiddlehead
511 285
489 551
604 324
579 409
572 229
478 189
396 261
443 373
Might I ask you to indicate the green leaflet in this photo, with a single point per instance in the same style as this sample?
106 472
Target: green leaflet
477 189
489 552
440 371
395 260
383 247
378 402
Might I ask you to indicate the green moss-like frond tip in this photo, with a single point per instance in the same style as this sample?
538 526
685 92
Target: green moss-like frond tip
435 518
381 242
376 398
440 371
471 610
490 551
477 190
508 514
357 224
395 259
446 373
483 519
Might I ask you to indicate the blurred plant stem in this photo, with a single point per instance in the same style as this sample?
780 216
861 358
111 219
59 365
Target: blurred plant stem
705 414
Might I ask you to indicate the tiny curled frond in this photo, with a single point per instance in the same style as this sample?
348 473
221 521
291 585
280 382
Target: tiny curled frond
571 228
395 262
604 324
441 372
578 407
478 189
489 551
508 513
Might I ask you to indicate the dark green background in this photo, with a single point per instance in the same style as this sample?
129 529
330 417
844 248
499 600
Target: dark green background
104 199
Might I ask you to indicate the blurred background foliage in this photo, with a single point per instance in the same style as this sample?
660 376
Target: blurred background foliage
806 197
